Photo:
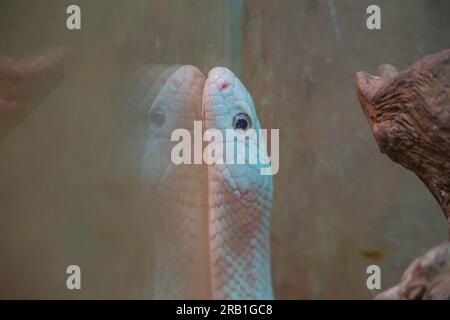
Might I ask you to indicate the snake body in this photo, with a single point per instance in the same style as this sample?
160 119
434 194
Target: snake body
240 199
211 222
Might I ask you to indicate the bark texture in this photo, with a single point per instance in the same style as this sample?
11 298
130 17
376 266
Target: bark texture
409 113
427 278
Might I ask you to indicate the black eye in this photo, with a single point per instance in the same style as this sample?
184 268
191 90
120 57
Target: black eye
157 117
242 121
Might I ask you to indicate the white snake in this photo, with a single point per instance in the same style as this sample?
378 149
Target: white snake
211 226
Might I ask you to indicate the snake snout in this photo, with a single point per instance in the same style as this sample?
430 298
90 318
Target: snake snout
188 74
223 80
217 72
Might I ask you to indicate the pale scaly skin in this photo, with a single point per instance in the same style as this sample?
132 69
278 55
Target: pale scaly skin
175 196
233 260
240 200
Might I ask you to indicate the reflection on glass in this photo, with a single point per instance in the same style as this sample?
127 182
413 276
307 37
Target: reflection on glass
173 197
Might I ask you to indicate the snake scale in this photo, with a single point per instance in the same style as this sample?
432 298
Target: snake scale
211 221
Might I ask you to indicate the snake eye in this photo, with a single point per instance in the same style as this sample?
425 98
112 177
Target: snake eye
157 117
242 121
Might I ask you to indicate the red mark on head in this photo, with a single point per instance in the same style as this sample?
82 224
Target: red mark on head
224 86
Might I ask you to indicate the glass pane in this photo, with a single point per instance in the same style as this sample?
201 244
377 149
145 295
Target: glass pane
87 170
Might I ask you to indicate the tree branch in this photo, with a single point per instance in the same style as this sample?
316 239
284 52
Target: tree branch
428 277
409 113
24 83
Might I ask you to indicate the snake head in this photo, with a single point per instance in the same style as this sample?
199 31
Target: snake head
229 108
165 98
176 106
224 98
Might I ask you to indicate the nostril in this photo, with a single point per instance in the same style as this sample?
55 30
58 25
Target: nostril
224 86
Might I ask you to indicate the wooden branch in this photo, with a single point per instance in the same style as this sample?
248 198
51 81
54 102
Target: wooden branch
428 277
24 83
409 113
